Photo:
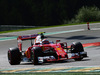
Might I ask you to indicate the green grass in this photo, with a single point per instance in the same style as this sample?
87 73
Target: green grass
65 73
35 28
45 27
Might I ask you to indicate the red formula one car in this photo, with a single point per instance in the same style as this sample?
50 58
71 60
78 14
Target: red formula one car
40 53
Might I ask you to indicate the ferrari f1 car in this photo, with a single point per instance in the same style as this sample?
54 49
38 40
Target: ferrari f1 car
41 53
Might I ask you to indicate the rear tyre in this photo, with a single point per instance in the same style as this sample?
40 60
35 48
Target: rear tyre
77 48
14 56
35 53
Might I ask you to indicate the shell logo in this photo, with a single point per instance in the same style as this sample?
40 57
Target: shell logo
58 48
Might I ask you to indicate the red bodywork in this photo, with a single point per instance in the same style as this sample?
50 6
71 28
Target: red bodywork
58 47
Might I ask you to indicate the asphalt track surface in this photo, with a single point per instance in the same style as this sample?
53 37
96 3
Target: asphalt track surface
84 36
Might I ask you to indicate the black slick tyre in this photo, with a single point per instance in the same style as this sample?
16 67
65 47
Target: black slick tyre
14 56
35 53
77 48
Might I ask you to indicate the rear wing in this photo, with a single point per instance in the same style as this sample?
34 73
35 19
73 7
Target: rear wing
27 37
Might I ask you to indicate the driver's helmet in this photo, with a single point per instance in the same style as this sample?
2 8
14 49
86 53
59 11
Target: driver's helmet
45 41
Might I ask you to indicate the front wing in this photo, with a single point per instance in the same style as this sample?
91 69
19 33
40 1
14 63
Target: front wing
52 58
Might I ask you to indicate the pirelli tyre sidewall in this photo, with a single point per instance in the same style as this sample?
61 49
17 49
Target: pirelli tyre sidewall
35 53
76 47
14 56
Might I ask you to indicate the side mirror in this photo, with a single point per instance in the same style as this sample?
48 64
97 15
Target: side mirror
57 41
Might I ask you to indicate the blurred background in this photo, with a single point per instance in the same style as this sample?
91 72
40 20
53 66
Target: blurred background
32 13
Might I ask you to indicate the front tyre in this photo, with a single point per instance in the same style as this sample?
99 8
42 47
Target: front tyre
14 56
35 53
77 47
